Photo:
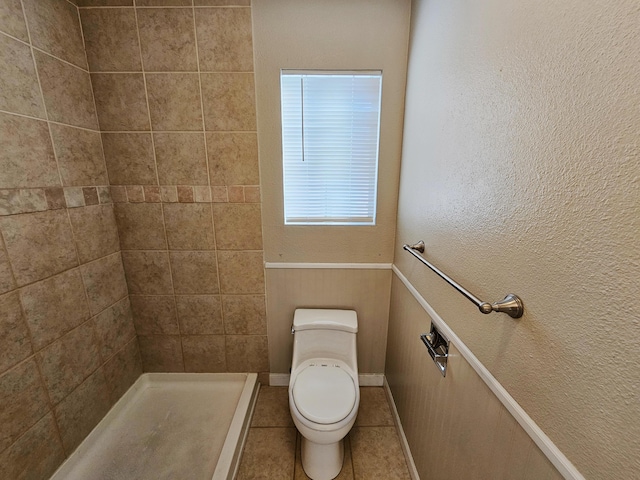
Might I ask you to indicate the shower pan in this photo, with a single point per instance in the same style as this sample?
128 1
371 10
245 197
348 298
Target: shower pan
168 426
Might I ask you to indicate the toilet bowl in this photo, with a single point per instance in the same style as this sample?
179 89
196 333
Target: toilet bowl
324 394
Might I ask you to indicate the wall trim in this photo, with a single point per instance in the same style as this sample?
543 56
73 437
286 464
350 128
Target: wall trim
551 451
371 379
279 379
337 266
364 379
411 465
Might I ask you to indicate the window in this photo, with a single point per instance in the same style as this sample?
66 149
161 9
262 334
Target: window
330 136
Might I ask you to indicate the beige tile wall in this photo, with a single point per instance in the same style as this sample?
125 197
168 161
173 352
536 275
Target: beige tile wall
363 290
174 90
455 425
68 347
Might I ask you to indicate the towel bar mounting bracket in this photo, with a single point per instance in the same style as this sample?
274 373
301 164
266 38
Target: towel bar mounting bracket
511 304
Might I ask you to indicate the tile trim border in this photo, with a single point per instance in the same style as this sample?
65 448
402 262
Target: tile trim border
14 201
544 443
185 194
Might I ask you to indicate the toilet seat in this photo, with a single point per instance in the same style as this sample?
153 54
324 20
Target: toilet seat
324 394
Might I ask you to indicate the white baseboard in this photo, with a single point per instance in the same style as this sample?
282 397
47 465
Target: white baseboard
371 379
364 379
279 379
413 471
332 266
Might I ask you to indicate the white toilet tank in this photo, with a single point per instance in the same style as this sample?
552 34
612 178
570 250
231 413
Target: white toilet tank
325 333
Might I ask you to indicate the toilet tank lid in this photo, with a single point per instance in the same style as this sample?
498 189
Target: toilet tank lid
318 318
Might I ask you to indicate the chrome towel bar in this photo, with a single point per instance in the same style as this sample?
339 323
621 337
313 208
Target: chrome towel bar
510 304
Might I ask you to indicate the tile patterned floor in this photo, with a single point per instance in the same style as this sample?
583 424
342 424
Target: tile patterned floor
372 448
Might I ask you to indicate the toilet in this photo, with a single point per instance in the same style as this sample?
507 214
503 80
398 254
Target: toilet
324 394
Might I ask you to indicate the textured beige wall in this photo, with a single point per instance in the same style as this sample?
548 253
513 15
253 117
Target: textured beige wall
365 291
455 425
520 171
329 34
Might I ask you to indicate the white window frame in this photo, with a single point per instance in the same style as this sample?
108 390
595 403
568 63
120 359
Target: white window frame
361 167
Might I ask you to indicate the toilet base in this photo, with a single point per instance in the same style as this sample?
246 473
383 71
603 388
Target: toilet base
322 462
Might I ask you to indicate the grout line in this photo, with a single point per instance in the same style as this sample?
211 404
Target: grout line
33 357
135 2
297 447
3 247
55 422
99 185
95 259
196 294
260 202
19 364
43 187
7 112
54 122
96 340
213 223
15 214
77 386
144 79
84 285
155 163
111 305
44 52
34 353
169 131
90 317
75 246
18 287
28 44
95 108
66 334
5 34
171 72
348 440
44 103
156 334
84 380
119 350
94 7
149 250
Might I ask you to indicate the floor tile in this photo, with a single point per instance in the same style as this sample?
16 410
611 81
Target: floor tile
273 448
268 454
377 453
272 408
374 408
347 465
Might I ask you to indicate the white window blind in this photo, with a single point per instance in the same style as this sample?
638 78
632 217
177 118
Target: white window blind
330 135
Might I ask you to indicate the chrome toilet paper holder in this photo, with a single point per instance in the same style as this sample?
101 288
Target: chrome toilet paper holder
438 347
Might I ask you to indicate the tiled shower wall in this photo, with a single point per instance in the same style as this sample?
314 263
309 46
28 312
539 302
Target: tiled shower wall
68 347
174 89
